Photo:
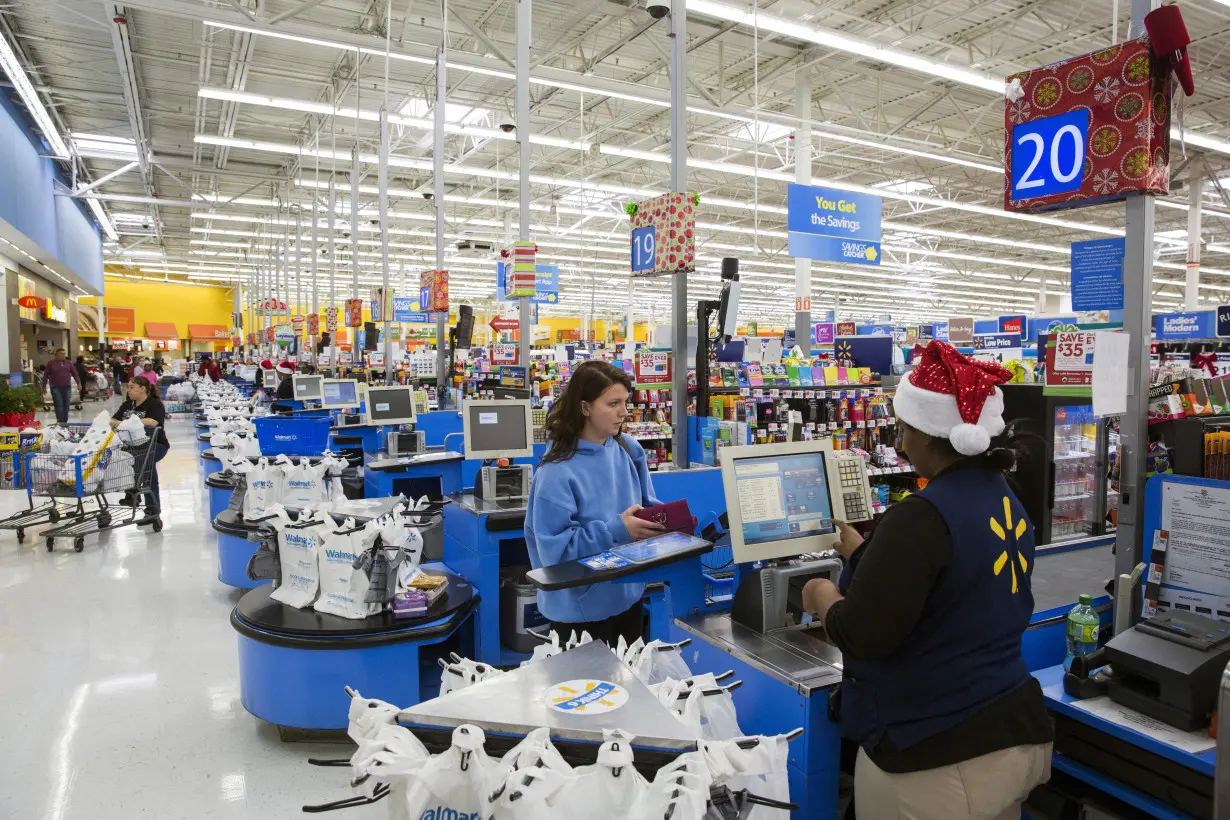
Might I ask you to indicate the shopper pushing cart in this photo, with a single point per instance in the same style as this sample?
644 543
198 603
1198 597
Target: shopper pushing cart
143 403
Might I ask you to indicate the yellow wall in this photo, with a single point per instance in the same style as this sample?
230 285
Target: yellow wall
168 302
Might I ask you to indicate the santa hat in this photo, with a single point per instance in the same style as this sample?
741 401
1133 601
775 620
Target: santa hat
952 396
286 368
266 364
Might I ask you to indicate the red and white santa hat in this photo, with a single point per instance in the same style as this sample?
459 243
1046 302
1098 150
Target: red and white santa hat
286 368
266 364
952 396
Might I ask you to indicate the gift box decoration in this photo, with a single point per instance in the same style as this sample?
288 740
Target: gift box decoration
313 324
433 290
664 234
1127 92
354 312
520 279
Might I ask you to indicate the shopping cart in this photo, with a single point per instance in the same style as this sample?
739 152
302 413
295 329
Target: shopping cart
54 509
95 389
126 469
74 402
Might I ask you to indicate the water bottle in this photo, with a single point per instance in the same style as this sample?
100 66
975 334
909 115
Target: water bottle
1082 630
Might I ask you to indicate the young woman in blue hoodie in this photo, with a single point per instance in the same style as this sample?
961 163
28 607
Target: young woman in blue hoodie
591 481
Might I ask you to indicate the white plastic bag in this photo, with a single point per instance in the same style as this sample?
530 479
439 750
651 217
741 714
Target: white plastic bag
264 489
297 552
453 783
341 593
760 769
463 673
660 661
610 787
304 485
530 780
131 431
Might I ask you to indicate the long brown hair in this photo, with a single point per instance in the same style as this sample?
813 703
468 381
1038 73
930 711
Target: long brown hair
565 421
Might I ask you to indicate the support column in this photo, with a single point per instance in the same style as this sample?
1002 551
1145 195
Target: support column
524 8
354 224
443 380
315 310
802 175
385 301
332 246
1137 303
679 282
1191 294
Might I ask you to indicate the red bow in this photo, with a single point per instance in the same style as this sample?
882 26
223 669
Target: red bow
1205 360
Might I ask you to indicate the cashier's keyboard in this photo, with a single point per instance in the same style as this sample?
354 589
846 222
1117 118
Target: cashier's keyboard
851 474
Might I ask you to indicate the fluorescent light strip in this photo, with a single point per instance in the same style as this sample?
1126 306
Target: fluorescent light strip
12 67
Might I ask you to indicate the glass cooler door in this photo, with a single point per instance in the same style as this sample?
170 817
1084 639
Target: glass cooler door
1073 496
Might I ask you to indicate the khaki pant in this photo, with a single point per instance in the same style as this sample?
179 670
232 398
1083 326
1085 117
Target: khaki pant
990 787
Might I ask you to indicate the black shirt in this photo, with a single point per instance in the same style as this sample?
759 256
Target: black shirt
151 408
286 389
894 572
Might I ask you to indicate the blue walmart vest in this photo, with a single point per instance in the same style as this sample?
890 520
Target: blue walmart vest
965 651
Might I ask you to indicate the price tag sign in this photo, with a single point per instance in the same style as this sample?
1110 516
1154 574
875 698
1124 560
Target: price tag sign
504 354
1048 155
1074 350
652 367
644 248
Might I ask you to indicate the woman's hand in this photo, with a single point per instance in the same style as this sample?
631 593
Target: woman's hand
154 423
638 528
850 539
818 595
115 423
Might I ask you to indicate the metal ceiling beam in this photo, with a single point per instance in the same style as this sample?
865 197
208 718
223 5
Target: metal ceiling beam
102 180
294 12
478 34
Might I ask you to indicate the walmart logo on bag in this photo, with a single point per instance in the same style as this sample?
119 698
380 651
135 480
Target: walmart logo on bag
338 555
445 813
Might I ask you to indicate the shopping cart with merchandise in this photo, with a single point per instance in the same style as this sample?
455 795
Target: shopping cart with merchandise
17 460
96 387
126 469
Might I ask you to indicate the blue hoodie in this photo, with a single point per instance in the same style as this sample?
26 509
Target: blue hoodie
574 512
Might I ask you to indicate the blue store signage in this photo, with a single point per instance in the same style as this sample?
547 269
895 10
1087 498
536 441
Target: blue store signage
406 309
996 341
1191 325
1223 321
939 330
1048 155
875 330
1097 274
546 285
833 225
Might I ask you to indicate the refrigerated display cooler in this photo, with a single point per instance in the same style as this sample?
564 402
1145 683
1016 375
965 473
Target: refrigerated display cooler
1065 487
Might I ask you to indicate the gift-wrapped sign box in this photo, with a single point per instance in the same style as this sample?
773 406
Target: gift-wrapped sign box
664 235
1127 148
433 290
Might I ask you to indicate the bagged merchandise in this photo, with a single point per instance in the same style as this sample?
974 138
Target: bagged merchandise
131 431
94 447
702 704
343 588
298 547
464 672
612 782
303 483
761 769
658 662
263 491
530 781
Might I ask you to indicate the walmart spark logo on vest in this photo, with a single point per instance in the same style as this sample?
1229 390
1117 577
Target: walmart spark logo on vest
1002 532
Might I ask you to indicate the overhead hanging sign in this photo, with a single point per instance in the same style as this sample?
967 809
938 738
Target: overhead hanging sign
824 333
1223 321
1190 325
407 309
1097 274
846 329
1012 324
833 225
546 285
1094 128
663 237
354 313
989 342
939 330
331 319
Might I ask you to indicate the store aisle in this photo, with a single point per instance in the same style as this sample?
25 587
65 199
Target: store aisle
118 674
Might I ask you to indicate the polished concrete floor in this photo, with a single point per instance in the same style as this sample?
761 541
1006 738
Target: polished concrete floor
119 679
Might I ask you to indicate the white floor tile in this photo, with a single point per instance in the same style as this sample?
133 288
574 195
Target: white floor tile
118 674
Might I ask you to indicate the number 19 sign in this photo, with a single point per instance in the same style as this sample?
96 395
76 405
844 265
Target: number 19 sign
1048 155
644 249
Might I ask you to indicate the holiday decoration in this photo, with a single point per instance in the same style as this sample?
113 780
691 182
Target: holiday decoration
664 235
313 324
331 319
953 396
521 280
354 312
433 290
1126 93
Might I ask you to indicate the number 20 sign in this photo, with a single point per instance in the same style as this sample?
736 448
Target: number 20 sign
1048 155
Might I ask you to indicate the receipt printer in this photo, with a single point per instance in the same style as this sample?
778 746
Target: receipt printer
349 420
771 598
1169 667
511 483
405 444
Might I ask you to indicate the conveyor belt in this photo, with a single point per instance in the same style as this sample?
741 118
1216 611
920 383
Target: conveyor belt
1059 578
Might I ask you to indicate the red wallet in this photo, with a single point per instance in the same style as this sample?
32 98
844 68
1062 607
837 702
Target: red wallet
674 516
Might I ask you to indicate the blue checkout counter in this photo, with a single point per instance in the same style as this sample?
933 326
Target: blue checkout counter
294 664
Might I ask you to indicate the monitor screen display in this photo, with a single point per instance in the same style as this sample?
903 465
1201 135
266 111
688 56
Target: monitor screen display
783 497
495 426
389 404
308 388
269 378
340 393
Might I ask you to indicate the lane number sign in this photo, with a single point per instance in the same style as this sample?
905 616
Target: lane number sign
1048 155
644 249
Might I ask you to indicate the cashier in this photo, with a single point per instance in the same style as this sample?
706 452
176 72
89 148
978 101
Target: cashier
286 387
929 614
582 499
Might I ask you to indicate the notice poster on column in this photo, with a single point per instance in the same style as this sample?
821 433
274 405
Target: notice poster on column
1197 573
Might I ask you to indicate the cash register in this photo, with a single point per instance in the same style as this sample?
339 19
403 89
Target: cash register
782 500
498 431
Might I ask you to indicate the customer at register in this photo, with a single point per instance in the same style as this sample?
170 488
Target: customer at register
929 614
582 500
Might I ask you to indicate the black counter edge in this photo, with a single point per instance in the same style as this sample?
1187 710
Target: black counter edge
401 635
